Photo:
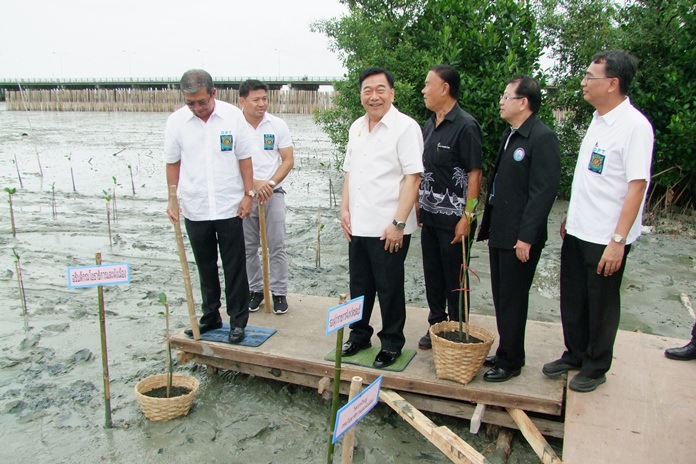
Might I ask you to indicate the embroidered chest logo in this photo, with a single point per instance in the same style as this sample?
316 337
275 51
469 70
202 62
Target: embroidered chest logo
519 154
226 141
597 160
268 141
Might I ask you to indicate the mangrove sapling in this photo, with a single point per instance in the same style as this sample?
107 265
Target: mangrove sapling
130 170
54 210
113 205
72 174
22 294
19 175
107 197
11 191
163 299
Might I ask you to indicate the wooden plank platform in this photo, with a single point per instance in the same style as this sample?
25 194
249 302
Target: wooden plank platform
296 354
644 414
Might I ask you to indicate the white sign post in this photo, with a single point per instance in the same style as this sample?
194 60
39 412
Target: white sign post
351 413
344 314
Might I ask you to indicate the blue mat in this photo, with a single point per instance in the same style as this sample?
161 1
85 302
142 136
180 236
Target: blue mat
253 336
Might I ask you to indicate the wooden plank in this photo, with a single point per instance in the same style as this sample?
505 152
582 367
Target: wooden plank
540 446
645 413
476 418
443 438
301 344
424 403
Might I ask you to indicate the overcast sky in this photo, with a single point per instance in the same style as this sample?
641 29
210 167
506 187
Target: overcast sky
164 38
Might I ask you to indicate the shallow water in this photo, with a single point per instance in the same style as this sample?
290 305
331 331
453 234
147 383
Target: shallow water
51 406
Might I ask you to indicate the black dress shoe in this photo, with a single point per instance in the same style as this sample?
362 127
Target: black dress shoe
350 348
498 374
684 353
236 335
203 328
490 361
385 358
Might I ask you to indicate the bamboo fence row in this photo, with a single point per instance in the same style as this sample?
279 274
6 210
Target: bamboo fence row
154 100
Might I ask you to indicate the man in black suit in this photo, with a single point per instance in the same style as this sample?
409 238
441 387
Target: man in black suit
525 181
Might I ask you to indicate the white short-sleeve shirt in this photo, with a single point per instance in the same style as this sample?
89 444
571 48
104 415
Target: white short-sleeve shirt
377 161
210 181
270 135
617 149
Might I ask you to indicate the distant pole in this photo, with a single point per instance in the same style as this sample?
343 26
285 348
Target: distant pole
202 52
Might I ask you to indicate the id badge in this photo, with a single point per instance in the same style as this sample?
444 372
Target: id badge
226 141
268 141
597 160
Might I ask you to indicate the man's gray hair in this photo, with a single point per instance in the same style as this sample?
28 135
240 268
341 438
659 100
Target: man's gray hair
194 80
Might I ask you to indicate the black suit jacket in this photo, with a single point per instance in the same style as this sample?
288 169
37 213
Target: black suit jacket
525 178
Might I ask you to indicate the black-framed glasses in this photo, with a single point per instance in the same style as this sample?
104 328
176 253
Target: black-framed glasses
202 103
508 97
590 77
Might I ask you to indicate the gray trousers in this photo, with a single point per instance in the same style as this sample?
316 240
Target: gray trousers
275 237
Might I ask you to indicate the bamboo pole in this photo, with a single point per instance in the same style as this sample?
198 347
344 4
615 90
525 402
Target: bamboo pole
349 437
264 259
317 255
337 384
105 360
174 202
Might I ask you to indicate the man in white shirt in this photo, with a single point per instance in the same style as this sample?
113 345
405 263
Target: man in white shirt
273 160
207 148
604 217
383 167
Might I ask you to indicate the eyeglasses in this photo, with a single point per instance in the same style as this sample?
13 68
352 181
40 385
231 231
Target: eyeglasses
508 97
590 77
201 103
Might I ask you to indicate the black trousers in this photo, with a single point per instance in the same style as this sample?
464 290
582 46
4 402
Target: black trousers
590 306
374 271
693 334
228 235
511 280
442 263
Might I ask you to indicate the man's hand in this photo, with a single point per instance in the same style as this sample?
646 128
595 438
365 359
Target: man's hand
173 218
393 238
461 230
522 250
264 190
245 207
563 229
345 223
611 259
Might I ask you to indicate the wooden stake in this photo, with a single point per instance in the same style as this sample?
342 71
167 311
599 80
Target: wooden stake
349 437
535 439
174 202
317 255
264 259
105 359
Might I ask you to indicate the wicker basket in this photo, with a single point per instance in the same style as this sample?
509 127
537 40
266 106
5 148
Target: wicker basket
459 361
164 409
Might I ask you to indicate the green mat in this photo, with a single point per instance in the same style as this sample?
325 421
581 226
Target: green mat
367 357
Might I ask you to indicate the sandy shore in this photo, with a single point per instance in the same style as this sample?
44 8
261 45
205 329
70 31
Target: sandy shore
51 407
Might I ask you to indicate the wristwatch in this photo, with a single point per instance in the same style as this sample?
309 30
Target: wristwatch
251 193
619 239
399 225
272 182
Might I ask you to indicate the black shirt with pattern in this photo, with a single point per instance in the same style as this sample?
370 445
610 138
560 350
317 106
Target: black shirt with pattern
451 151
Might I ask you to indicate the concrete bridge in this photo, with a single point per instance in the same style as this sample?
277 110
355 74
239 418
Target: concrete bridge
274 82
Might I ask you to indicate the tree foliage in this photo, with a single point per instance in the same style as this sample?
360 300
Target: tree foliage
488 42
662 35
